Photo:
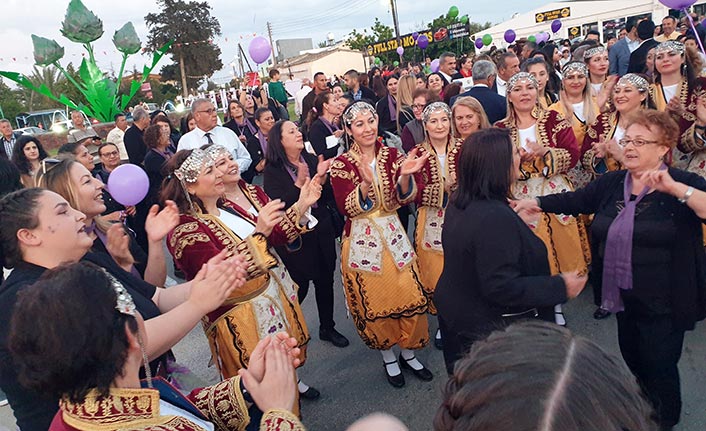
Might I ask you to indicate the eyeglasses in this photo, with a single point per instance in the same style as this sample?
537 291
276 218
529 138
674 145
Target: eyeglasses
636 142
209 111
110 154
417 106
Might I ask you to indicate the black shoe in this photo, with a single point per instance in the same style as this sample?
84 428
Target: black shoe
310 394
396 381
423 374
334 337
601 313
438 342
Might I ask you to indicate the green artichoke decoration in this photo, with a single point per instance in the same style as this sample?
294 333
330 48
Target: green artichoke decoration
46 51
80 24
126 40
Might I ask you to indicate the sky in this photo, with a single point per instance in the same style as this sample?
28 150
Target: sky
239 20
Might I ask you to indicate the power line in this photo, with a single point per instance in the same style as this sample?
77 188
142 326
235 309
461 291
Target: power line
313 21
325 14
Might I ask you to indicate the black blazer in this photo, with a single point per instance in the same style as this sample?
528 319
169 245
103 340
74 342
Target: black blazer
386 123
256 154
3 154
366 95
494 105
154 163
316 257
493 265
318 132
135 145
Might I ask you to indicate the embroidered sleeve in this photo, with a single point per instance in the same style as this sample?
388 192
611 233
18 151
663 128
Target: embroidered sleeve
289 229
223 404
556 161
280 420
566 140
191 247
689 141
411 193
346 189
257 254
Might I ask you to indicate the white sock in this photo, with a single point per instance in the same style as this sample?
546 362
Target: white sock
438 334
559 315
388 356
407 355
303 387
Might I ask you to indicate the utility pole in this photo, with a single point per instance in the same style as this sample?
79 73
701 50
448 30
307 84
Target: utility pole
393 5
272 45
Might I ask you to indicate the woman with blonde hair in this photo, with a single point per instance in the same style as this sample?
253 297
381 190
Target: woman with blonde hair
405 99
549 150
596 60
579 107
468 116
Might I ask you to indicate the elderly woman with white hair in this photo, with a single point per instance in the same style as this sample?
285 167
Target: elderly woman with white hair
549 150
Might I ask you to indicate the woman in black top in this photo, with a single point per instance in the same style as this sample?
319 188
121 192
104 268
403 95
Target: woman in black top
650 265
288 167
495 269
157 140
41 231
242 126
323 131
386 107
257 145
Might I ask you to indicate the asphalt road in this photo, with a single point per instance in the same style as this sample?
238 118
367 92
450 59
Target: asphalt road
352 380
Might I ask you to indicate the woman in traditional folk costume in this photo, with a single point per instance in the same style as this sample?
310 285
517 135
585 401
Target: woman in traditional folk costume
434 184
600 149
549 150
378 264
597 61
580 108
267 303
678 89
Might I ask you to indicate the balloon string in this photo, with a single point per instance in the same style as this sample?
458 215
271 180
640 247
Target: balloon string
696 34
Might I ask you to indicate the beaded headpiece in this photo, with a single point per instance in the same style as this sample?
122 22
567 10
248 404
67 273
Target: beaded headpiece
435 108
670 46
216 151
591 52
124 303
521 77
356 109
574 67
635 80
191 167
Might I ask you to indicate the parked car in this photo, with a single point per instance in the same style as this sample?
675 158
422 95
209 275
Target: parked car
55 120
31 130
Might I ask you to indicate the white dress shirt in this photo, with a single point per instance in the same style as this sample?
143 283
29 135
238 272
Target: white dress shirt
502 86
221 136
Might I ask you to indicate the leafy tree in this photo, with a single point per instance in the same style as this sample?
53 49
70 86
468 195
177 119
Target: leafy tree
378 32
10 104
191 26
458 46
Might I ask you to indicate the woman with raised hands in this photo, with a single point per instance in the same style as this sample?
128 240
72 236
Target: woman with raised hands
41 231
378 264
549 150
95 376
245 222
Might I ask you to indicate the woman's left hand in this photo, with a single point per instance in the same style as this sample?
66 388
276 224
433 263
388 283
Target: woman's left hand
674 106
535 148
323 167
309 194
659 180
159 224
412 163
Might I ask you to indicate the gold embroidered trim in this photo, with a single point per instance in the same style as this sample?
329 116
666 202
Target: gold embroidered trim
131 407
224 405
257 254
556 161
280 420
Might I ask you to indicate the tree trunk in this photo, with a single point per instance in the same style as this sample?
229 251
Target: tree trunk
182 71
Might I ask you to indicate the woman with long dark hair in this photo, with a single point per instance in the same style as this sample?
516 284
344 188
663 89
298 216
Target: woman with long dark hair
27 155
241 125
496 269
288 167
323 132
257 145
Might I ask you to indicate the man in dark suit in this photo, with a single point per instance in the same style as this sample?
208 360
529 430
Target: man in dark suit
638 58
484 74
7 139
619 54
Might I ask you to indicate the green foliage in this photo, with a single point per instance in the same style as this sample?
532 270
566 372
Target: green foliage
191 26
97 93
378 31
10 102
457 46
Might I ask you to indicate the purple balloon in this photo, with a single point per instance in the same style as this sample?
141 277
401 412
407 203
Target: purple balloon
400 50
415 35
423 41
510 36
479 42
677 4
259 50
556 25
128 184
540 37
434 65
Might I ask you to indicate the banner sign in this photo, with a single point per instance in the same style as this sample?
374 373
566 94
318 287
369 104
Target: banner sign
453 31
551 15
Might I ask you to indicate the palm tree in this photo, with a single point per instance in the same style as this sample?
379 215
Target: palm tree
50 77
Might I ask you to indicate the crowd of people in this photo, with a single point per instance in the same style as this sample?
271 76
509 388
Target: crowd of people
486 193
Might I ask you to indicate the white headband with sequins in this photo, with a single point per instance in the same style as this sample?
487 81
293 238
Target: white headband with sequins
519 77
670 46
356 109
591 52
190 169
216 151
635 80
435 108
575 66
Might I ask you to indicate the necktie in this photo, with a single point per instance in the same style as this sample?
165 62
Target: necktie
208 136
